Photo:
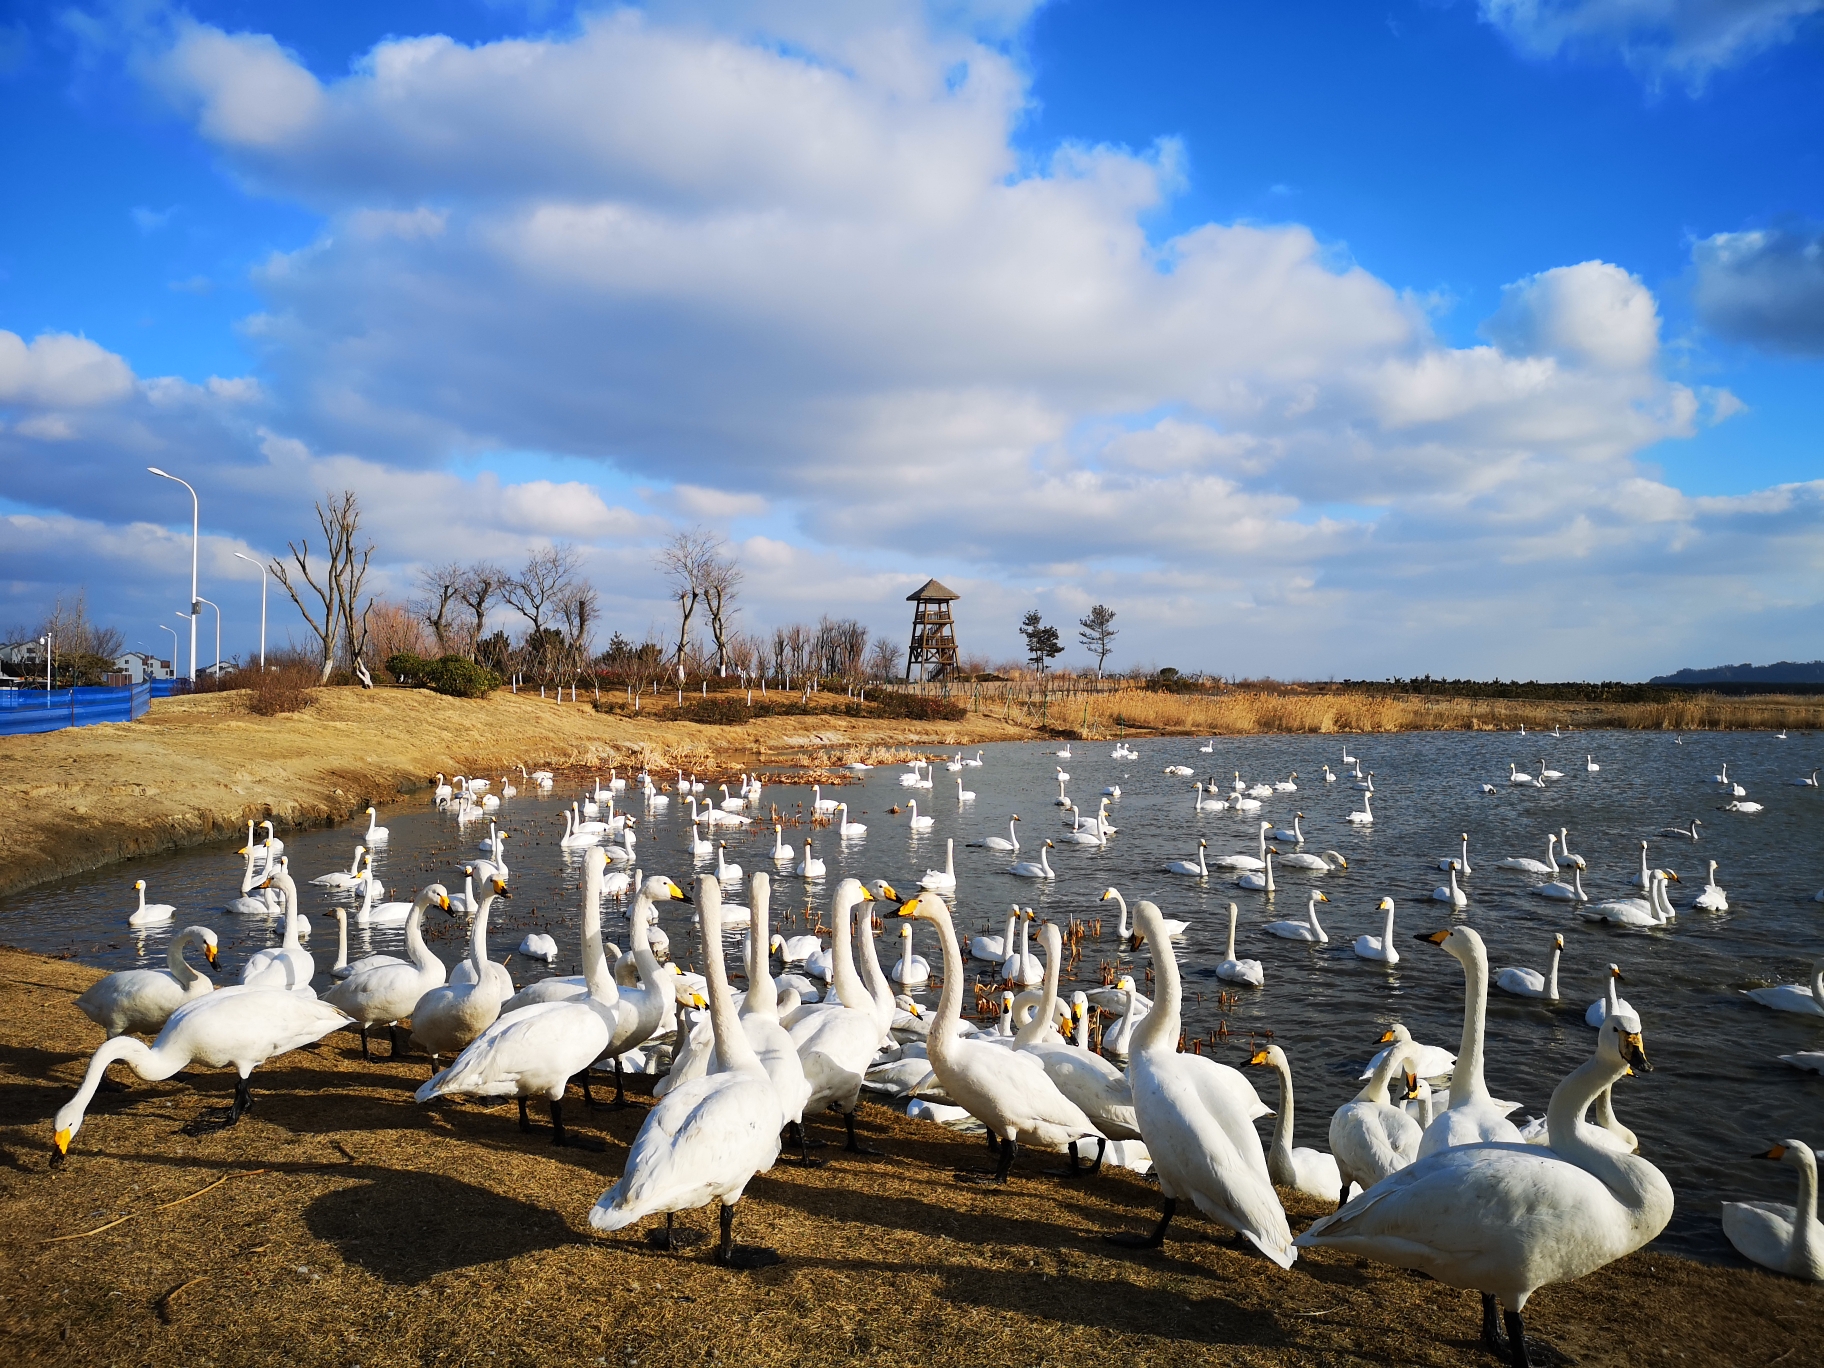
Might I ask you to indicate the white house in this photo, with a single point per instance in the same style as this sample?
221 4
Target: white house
142 666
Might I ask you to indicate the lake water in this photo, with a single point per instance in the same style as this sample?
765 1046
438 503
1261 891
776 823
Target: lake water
1717 1095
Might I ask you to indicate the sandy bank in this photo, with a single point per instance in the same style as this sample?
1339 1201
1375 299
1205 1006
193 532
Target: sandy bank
359 1227
196 769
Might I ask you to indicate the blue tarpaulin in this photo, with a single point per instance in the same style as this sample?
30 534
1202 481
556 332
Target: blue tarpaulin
25 712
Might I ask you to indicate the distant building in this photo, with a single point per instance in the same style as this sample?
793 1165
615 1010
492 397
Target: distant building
139 666
22 661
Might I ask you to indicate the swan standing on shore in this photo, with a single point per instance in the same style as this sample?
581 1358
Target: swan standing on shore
1369 1136
1204 1148
387 992
1505 1220
449 1017
839 1038
143 999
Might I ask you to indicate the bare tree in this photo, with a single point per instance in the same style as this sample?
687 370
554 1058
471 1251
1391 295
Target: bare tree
721 584
478 587
335 585
579 609
439 587
537 593
883 659
1099 633
689 560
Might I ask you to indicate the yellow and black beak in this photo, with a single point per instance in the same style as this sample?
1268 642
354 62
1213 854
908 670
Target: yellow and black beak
1777 1152
675 893
1412 1085
869 897
1435 937
443 901
209 953
63 1144
1259 1057
1634 1051
500 887
1386 1038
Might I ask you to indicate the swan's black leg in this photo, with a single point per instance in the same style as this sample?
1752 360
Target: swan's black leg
1007 1152
559 1136
1491 1326
214 1119
525 1122
1516 1339
1101 1149
673 1237
1153 1241
243 1100
1076 1165
731 1255
994 1141
364 1051
855 1146
620 1093
392 1034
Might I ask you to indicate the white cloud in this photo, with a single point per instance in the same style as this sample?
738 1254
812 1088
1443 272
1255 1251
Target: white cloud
1764 287
1687 40
789 265
57 370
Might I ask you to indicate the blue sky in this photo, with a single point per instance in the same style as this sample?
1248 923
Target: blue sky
1315 339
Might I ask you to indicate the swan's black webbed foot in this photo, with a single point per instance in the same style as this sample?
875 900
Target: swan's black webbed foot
1516 1338
392 1034
673 1236
740 1257
854 1146
1128 1240
793 1137
214 1119
563 1138
525 1122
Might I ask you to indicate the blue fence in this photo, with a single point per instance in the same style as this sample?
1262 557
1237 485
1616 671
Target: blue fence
26 712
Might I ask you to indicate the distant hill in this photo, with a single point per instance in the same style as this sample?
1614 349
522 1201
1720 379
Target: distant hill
1783 672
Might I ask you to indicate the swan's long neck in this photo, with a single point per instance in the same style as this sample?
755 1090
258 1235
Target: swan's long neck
762 993
1040 1025
847 983
1551 980
1270 888
174 958
414 937
1387 926
1311 916
142 1058
1643 863
1455 892
1260 844
478 935
1807 1251
1376 1088
950 857
341 939
879 989
288 889
732 1046
1013 918
950 998
1465 862
1230 955
1281 1156
1577 883
1025 941
1125 930
1045 861
1013 836
1564 1119
1466 1082
1160 1029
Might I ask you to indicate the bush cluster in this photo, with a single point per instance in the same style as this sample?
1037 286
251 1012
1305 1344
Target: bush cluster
453 675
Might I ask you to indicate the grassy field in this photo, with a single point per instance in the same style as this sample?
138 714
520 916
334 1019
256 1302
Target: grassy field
342 1224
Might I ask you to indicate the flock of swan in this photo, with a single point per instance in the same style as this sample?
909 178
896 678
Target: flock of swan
1426 1167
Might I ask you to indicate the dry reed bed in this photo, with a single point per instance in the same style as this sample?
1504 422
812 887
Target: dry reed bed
369 1230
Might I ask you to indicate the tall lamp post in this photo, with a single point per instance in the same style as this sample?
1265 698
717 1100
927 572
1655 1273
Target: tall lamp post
262 564
174 654
218 640
45 641
193 617
195 603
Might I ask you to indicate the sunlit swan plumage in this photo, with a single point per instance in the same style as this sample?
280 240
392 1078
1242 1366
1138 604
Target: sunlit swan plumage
1473 1115
142 1000
1232 970
1804 999
1787 1239
1306 930
1379 947
1530 982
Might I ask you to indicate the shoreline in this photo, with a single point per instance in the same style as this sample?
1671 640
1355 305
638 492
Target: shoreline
197 769
345 1223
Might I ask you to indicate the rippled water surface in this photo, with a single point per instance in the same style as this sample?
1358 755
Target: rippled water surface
1718 1092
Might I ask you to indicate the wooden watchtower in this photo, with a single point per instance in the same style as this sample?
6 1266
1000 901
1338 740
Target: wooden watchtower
932 654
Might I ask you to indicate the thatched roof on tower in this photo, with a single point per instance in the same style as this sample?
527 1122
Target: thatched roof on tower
931 589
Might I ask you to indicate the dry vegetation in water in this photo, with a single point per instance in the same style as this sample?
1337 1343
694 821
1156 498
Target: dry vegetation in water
340 1223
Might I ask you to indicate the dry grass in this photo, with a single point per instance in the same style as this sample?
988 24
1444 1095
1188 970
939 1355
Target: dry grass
198 768
1243 713
370 1230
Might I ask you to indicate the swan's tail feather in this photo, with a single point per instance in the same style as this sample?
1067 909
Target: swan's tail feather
434 1088
1282 1254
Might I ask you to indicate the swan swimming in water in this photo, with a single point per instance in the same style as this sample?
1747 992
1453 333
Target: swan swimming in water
1531 983
1379 947
1306 930
1787 1239
1804 999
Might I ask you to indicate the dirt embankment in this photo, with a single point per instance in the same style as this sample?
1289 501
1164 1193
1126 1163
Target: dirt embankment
355 1226
197 769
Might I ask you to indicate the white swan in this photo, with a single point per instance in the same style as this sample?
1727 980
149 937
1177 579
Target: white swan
1449 892
1255 861
1295 833
149 914
811 867
341 969
1309 1171
1366 816
342 878
1787 1239
1369 1136
1804 999
910 970
1545 773
942 880
1203 1145
575 837
1744 807
1327 863
242 1028
499 980
1653 910
1010 841
1232 970
1379 947
388 992
963 795
837 1040
783 854
1688 833
1261 879
1173 927
915 822
1528 866
1505 1220
538 946
759 1018
1610 1002
376 834
1531 983
1565 857
995 948
844 827
1028 869
1430 1061
1589 763
450 1016
143 999
1021 966
1195 869
1713 898
288 965
726 872
1473 1115
1203 804
1514 776
1306 930
1812 782
1560 891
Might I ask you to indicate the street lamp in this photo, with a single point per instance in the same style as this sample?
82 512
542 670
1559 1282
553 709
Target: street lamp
45 641
193 617
195 519
218 640
174 653
262 564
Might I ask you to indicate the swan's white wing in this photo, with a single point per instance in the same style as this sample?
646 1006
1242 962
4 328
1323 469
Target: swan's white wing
1761 1231
702 1141
530 1052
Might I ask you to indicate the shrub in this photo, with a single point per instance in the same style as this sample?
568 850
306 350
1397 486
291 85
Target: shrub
917 708
453 675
